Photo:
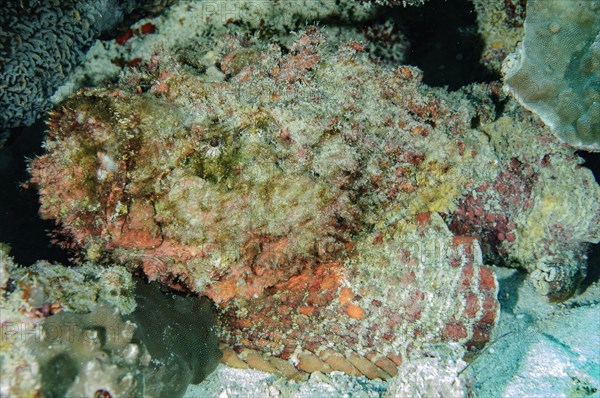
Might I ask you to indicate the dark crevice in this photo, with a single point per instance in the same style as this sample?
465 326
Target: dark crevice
499 103
592 162
593 270
444 43
20 224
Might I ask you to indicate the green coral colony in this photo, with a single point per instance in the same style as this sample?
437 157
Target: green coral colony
556 70
339 214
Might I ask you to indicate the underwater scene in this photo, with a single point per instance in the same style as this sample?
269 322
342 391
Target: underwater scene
299 198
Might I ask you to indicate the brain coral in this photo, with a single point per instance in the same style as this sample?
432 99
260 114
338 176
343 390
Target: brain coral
41 42
556 70
278 181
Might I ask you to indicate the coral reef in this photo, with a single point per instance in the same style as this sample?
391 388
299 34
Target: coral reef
86 355
554 72
5 264
46 347
250 171
20 373
55 283
41 42
338 214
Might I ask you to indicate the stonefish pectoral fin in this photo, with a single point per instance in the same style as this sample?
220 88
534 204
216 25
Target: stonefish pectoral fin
406 286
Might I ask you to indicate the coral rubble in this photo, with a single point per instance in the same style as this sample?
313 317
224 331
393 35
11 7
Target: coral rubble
280 180
555 71
430 374
241 383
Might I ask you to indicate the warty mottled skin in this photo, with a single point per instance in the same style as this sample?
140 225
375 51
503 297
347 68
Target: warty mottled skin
288 185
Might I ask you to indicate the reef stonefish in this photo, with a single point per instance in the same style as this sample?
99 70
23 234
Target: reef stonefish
307 192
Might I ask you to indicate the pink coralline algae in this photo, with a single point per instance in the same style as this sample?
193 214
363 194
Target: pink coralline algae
332 208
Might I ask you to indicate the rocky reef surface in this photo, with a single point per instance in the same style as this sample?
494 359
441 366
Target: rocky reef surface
500 24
